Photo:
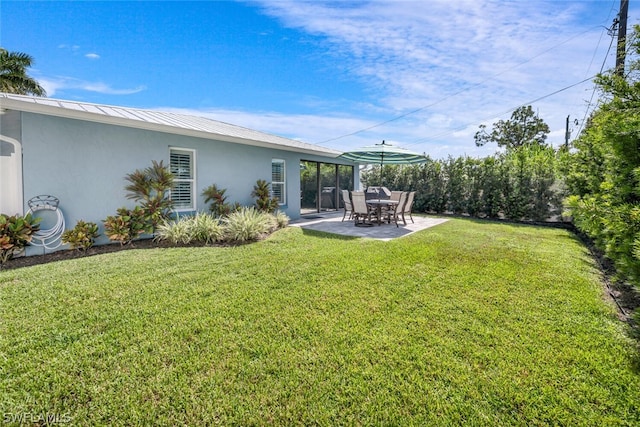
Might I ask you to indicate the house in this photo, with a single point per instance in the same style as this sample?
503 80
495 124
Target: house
80 153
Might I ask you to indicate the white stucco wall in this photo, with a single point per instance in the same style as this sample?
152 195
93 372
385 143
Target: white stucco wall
84 165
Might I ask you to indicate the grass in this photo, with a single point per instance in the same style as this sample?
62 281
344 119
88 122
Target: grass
465 323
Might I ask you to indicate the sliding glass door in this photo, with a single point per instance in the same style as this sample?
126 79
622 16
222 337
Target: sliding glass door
320 185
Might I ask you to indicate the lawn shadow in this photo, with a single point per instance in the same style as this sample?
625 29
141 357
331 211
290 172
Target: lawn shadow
327 234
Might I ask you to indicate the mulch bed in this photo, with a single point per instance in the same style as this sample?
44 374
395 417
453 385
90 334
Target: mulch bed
26 261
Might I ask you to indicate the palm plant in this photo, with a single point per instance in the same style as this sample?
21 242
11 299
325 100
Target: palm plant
219 206
262 193
151 188
13 74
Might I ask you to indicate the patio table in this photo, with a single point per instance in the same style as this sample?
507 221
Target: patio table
379 204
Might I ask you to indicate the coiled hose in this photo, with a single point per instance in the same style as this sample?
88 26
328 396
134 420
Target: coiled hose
47 237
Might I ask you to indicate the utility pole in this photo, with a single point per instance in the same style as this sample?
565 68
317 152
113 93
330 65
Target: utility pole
622 36
567 134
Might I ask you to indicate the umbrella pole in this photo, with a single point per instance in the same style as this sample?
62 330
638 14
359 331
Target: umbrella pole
381 166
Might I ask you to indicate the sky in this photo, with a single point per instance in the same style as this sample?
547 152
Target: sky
423 75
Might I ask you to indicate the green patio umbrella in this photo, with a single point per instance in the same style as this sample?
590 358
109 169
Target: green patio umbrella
383 154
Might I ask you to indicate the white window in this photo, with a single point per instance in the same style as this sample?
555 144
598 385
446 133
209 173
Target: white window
278 183
182 164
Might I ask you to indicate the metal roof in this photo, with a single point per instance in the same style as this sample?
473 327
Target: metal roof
168 122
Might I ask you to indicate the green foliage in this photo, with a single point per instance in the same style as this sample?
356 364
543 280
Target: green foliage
174 232
16 232
204 228
522 129
491 176
430 185
281 219
151 187
247 224
219 206
200 228
82 236
523 183
13 74
603 170
127 225
456 184
264 201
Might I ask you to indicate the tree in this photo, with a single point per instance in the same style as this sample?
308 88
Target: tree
523 128
13 74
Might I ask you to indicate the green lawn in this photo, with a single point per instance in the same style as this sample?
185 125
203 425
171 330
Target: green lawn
465 323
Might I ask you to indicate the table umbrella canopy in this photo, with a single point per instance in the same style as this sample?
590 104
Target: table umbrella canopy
384 154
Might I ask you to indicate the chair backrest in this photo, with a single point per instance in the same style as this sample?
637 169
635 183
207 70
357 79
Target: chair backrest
359 202
402 200
409 204
346 199
395 195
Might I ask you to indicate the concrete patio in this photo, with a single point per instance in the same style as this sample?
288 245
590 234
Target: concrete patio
332 223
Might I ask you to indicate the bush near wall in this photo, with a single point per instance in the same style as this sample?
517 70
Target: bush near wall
243 225
16 232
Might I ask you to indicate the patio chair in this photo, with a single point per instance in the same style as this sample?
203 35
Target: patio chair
348 207
361 211
407 207
395 212
395 195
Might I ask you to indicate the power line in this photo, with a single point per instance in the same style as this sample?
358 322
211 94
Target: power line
595 52
456 93
593 92
529 103
504 112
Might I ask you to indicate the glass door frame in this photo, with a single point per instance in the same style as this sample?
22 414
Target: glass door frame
335 196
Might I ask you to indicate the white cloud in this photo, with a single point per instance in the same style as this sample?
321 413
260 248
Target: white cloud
73 48
435 69
460 63
92 56
60 84
303 127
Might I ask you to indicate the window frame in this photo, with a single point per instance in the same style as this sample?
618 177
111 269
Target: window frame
282 201
192 155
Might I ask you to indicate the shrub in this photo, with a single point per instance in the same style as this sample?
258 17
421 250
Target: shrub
204 228
247 224
127 225
151 187
200 228
174 232
219 206
281 219
82 236
264 201
15 233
